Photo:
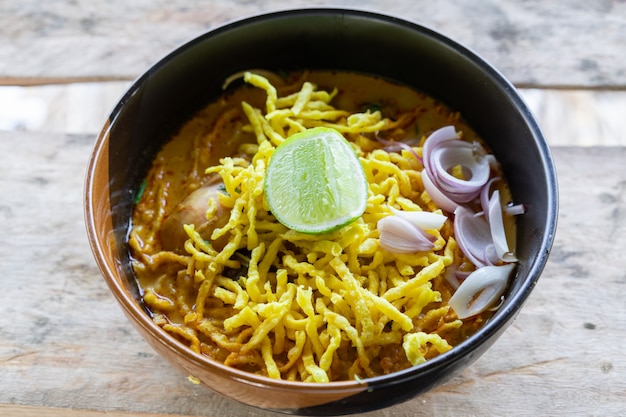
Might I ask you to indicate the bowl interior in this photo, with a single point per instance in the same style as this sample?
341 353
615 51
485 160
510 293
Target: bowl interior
167 94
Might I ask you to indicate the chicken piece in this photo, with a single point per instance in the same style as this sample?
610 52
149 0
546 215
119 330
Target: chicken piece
192 210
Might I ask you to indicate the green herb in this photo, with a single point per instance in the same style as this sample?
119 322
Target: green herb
244 258
373 107
140 191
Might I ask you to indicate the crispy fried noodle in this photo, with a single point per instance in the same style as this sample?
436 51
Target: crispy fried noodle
297 306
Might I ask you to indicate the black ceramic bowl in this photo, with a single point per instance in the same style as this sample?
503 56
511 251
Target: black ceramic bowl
170 91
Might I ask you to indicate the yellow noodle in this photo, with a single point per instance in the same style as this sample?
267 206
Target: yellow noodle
303 302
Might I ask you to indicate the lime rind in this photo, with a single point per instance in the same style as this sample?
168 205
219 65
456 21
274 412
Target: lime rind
315 183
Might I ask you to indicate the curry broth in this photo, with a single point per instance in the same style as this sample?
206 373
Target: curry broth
170 288
216 131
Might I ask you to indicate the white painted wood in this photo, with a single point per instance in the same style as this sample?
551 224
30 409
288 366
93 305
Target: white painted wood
67 350
65 344
564 43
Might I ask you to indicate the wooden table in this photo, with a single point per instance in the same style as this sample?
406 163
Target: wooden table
67 350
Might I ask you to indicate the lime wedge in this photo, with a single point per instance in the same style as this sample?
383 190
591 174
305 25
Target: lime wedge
314 182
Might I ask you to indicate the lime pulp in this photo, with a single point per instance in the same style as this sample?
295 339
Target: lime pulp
314 182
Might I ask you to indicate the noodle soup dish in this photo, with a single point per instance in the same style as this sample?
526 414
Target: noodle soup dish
321 232
221 274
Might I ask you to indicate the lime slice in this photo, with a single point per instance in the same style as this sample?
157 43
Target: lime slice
314 182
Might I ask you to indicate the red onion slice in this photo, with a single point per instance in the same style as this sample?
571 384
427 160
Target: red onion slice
444 150
485 193
480 236
515 209
393 146
472 235
480 290
398 235
451 277
440 199
440 135
490 255
496 225
454 153
426 220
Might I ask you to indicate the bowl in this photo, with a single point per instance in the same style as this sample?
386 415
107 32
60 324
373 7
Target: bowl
163 97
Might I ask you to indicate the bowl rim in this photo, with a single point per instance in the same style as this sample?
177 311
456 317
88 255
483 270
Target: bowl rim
495 325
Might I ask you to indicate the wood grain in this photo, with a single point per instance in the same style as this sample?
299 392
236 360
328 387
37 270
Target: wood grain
29 411
65 344
535 43
67 350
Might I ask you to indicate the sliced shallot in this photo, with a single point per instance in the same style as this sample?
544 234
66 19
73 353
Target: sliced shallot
480 290
515 209
427 220
398 235
393 146
473 236
496 225
440 199
457 152
481 236
442 151
485 193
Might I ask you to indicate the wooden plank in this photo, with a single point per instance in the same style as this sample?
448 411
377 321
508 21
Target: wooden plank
569 43
29 411
593 117
64 343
